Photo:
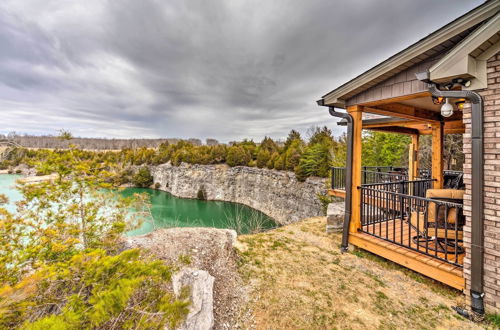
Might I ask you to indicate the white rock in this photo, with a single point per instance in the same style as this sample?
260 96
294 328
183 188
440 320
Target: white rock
201 310
335 217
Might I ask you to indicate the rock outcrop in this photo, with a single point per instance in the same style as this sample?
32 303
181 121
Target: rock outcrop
276 193
201 310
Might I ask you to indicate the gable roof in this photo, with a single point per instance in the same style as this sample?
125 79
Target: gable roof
434 44
468 59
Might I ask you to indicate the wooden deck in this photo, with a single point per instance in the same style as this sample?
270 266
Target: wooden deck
402 233
336 192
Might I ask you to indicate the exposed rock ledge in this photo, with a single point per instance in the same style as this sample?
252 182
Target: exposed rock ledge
211 251
276 193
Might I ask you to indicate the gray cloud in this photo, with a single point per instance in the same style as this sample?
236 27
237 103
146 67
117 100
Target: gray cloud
223 69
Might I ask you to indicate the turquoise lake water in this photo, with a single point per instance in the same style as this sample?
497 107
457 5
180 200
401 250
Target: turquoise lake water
170 211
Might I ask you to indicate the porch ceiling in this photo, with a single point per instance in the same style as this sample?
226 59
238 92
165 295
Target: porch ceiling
397 125
411 114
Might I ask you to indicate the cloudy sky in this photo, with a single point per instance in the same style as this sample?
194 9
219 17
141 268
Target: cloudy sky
226 69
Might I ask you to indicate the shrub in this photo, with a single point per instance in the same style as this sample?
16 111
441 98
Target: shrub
95 290
278 162
263 157
293 155
238 156
125 176
143 178
59 264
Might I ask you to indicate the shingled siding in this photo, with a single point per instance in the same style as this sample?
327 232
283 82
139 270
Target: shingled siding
491 98
403 83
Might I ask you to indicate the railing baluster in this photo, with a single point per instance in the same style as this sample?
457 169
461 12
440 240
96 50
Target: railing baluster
390 202
445 231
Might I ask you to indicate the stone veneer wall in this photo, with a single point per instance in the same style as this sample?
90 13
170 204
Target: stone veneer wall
275 193
491 98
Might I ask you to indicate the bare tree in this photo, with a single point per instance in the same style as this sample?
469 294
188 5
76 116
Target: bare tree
212 142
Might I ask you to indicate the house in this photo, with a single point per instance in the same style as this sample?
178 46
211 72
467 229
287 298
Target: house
448 82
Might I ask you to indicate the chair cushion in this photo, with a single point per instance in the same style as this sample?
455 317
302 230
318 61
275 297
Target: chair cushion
437 214
445 193
417 219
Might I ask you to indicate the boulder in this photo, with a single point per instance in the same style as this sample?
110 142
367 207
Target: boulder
335 217
201 310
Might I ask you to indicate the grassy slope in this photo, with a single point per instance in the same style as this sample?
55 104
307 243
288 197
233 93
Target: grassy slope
299 280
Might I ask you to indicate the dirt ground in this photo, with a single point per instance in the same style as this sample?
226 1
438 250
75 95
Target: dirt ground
298 279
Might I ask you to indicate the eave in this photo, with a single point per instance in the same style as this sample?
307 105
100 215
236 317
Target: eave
468 59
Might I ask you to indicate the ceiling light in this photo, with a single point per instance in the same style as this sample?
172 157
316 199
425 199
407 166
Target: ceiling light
460 104
447 109
437 100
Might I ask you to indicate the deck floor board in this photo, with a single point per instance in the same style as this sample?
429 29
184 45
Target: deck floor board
392 231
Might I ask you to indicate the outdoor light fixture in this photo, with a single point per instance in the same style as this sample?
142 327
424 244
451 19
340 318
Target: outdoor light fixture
461 81
447 109
437 100
460 104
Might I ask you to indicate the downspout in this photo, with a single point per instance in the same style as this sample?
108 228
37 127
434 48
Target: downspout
348 174
477 178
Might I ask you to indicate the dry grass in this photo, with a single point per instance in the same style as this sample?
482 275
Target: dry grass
298 279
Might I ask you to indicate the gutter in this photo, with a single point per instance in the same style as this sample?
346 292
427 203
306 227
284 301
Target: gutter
477 193
347 121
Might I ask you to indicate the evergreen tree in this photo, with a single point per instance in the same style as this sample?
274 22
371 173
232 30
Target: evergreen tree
238 156
292 136
263 157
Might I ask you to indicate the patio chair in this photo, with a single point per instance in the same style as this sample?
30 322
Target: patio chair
436 230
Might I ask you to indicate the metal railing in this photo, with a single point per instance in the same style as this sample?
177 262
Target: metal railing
384 174
369 174
414 188
429 226
338 178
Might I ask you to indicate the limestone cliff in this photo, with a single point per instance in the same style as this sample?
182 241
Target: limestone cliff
275 193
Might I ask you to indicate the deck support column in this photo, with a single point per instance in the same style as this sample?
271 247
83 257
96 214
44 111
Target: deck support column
357 115
413 158
437 154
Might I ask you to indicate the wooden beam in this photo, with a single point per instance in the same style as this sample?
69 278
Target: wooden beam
357 115
413 158
399 130
405 111
388 123
336 193
450 127
437 154
446 131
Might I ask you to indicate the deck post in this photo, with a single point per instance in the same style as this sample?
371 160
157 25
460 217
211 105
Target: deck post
357 115
437 154
413 158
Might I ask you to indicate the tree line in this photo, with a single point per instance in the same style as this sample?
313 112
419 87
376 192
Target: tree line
310 156
55 142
